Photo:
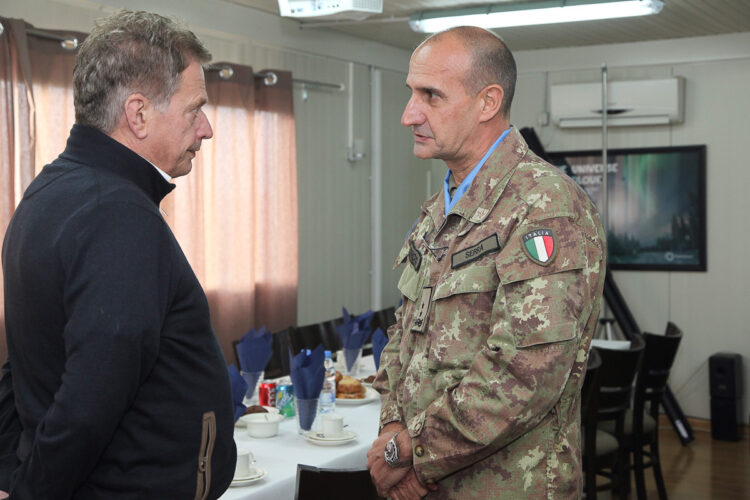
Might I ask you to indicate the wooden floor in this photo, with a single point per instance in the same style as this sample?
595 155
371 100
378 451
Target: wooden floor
705 469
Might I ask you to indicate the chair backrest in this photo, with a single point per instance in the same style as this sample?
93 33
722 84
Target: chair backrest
329 336
589 407
306 337
310 336
384 318
616 377
590 387
278 365
658 357
672 330
314 483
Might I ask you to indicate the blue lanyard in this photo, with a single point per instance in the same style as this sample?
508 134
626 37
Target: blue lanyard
464 186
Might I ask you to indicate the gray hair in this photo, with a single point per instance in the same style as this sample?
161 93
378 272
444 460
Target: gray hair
492 61
130 52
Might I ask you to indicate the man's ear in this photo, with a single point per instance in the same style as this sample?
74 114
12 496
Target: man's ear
136 112
492 102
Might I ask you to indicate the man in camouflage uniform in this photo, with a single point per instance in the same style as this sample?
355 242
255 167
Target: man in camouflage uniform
481 377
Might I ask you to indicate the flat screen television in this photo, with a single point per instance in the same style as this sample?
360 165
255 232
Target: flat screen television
656 204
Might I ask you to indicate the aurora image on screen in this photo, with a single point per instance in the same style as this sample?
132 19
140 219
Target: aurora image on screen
656 204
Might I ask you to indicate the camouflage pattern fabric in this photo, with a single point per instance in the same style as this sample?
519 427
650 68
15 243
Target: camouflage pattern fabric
486 360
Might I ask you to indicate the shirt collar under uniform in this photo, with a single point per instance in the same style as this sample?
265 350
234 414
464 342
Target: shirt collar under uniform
464 186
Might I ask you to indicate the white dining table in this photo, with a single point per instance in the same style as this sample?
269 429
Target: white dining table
279 455
620 345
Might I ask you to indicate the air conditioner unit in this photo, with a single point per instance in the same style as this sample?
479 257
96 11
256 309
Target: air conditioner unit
636 102
331 9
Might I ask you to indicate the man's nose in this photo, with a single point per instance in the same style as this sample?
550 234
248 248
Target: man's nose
412 115
204 128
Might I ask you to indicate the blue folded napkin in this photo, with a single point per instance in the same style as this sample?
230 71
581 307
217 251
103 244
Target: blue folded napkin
363 321
239 387
355 330
254 350
307 373
353 334
379 340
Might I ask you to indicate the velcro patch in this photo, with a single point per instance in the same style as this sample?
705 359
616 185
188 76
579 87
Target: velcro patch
540 246
475 252
415 258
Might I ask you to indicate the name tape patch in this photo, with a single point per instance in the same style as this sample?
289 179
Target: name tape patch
475 252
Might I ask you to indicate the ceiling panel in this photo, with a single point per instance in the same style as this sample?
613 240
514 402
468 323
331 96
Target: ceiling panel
678 19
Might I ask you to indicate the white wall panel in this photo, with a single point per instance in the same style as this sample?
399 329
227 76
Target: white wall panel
404 180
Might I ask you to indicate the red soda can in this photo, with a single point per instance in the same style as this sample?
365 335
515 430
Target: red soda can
267 394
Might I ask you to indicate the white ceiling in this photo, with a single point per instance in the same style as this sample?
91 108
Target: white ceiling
678 19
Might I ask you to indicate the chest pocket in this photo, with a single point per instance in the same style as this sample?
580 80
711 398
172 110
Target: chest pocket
462 313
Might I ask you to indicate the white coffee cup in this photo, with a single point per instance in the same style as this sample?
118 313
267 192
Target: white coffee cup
333 425
244 461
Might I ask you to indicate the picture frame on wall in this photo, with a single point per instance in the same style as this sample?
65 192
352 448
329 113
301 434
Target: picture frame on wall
656 204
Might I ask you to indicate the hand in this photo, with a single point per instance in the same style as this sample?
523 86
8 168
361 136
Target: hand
384 477
410 488
3 494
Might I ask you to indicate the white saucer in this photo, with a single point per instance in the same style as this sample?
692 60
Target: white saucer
259 474
345 437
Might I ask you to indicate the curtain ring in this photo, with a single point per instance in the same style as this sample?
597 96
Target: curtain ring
226 72
69 43
270 79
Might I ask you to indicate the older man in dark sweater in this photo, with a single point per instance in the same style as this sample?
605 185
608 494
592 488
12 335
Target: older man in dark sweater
115 386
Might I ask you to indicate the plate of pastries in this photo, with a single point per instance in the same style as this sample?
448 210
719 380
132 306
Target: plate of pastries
352 392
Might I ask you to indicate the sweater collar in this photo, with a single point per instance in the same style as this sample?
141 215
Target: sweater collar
91 147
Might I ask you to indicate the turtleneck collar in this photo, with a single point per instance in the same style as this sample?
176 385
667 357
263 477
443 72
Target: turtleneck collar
89 146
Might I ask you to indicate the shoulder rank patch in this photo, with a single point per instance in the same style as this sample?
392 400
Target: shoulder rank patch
415 258
475 252
540 245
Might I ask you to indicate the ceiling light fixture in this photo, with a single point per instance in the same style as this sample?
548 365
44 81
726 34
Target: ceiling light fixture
530 13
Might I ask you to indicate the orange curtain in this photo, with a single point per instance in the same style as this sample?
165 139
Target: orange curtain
235 214
16 130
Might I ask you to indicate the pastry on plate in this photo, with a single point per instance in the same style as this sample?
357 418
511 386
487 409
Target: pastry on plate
350 388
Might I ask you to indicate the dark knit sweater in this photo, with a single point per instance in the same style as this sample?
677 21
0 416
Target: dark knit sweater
115 385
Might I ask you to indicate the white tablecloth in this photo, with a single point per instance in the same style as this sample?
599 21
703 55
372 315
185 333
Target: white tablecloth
280 455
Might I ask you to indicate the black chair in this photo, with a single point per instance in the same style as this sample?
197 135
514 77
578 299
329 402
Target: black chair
311 336
641 428
314 483
278 365
616 376
589 430
330 336
384 318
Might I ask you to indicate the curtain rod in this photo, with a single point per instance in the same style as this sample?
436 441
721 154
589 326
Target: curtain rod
68 42
269 78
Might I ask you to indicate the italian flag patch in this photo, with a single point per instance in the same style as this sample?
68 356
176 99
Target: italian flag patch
540 246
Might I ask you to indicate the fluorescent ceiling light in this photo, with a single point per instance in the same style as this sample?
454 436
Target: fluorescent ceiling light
525 14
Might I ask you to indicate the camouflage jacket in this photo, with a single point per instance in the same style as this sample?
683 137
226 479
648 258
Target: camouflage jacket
486 360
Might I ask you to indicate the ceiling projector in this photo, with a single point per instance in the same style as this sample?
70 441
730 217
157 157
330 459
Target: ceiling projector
330 9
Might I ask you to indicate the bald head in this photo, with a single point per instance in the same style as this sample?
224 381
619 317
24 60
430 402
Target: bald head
491 61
